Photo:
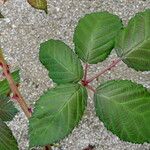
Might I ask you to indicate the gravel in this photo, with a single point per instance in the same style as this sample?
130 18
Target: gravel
21 33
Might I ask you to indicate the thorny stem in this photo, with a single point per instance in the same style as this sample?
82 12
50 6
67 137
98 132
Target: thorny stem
14 89
16 94
114 63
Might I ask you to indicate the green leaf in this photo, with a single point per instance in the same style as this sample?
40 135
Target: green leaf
124 107
7 109
4 86
63 65
39 4
133 42
56 113
94 36
7 140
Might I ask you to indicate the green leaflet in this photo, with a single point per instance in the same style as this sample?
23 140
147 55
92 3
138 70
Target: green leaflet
4 86
63 65
7 140
94 36
7 109
56 113
124 107
39 4
133 42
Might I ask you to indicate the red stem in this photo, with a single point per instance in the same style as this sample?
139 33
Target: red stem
85 72
114 63
14 88
91 88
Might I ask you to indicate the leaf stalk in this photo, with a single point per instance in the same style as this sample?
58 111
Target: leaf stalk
112 65
91 88
85 72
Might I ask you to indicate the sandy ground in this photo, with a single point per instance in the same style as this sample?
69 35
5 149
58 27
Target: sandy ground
21 33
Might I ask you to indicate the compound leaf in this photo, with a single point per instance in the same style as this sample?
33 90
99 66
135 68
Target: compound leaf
7 140
63 65
124 107
39 4
94 36
56 113
7 109
4 86
133 42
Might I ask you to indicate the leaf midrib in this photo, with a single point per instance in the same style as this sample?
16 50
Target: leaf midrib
92 38
63 66
139 44
58 112
131 112
134 48
122 104
61 108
